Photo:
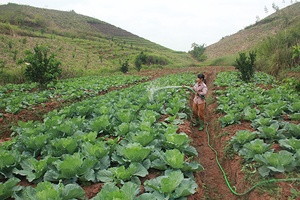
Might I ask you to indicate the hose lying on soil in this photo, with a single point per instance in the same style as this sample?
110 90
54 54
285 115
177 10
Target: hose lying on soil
226 179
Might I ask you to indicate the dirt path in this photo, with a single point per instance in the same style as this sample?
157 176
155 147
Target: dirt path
210 180
212 185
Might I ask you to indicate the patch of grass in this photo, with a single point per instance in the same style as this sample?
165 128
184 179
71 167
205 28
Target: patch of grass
222 61
229 151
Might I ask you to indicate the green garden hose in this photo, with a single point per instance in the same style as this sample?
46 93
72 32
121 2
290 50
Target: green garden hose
190 89
222 170
225 177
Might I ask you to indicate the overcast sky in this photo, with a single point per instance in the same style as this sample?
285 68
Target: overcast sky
175 24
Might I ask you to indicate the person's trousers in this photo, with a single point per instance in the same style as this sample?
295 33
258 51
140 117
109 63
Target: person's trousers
199 110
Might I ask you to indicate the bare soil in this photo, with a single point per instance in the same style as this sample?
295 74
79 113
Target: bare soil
211 182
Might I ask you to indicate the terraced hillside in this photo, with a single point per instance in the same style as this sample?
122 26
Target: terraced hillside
84 45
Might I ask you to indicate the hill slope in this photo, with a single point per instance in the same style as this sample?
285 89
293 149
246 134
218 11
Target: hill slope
84 45
250 36
62 23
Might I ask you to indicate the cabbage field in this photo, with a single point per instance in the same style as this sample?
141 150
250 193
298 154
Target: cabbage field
116 139
128 143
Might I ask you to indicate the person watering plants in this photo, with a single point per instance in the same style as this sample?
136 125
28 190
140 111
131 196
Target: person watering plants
200 89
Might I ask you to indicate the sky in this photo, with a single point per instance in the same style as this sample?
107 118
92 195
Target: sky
175 24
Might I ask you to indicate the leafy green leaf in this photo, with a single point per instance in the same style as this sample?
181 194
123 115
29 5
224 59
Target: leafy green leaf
71 166
186 188
62 146
125 115
32 168
9 187
291 143
229 119
174 158
177 140
249 113
143 137
261 121
294 129
100 123
135 152
257 146
8 158
241 137
97 150
166 184
110 191
72 191
295 116
283 161
45 190
123 129
271 132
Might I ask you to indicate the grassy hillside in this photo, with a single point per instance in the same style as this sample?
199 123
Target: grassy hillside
249 38
88 46
84 45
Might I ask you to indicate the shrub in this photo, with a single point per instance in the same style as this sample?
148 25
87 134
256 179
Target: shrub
245 65
2 65
41 68
198 52
143 59
139 60
124 67
296 55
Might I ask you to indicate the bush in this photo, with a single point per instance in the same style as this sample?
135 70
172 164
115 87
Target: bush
139 60
124 67
143 59
198 52
279 52
2 65
245 65
41 68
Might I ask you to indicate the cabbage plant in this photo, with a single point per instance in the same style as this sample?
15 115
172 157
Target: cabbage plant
171 185
270 162
250 149
241 137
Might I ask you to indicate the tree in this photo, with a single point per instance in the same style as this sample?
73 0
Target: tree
139 60
198 52
124 66
41 68
245 65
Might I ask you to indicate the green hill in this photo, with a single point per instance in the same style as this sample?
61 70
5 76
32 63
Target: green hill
286 20
88 46
84 45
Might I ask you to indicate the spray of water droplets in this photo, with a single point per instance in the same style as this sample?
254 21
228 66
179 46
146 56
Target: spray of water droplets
152 89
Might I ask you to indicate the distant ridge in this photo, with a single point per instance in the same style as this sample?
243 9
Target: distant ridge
84 45
65 23
247 38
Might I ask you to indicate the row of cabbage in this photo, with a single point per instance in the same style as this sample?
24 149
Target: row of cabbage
117 139
15 97
274 113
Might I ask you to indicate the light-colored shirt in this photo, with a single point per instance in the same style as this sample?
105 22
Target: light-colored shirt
200 89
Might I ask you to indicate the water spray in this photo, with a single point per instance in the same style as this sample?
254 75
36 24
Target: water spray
153 89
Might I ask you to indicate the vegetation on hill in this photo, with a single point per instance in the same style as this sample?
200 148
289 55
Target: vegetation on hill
84 45
275 39
88 46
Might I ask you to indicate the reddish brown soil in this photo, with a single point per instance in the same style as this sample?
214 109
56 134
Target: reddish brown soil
211 181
